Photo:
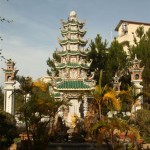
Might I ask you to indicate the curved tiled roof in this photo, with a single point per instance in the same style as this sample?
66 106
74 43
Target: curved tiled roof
81 32
73 41
73 85
63 53
72 65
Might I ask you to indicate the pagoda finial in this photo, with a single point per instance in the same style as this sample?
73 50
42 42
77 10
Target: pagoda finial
135 58
73 15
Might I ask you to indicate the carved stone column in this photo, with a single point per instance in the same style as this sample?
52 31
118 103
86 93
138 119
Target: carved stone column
85 105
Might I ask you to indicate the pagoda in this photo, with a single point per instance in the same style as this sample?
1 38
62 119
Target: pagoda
72 81
136 79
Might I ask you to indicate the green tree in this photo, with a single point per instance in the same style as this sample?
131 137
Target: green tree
116 62
98 55
8 130
50 63
25 87
141 47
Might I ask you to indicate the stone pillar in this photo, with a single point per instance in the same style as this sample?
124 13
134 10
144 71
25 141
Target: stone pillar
10 73
9 97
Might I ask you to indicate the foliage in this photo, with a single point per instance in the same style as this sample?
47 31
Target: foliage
25 85
59 132
78 134
105 96
143 122
50 63
117 62
97 53
109 131
5 20
38 111
111 60
8 130
129 100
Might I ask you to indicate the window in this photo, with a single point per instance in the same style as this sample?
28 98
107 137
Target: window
137 76
124 28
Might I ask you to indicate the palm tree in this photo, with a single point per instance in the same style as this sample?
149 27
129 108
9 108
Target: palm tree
131 98
105 96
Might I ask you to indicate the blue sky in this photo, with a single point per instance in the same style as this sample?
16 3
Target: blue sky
32 37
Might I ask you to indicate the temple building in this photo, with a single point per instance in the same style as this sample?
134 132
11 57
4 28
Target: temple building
72 81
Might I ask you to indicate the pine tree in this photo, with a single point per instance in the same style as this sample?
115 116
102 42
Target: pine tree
50 63
116 62
98 53
110 60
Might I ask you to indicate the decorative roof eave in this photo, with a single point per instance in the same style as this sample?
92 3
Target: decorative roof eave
73 23
60 65
76 41
82 42
73 53
62 53
79 31
73 84
84 66
73 89
71 65
136 70
76 53
68 65
83 54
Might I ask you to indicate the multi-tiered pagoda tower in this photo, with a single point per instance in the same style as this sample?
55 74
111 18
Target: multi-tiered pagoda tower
72 81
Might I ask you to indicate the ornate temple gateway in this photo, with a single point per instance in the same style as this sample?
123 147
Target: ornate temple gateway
72 81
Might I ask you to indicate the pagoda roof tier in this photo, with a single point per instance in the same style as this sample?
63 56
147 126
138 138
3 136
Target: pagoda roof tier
73 41
78 31
74 53
57 95
71 65
73 23
73 85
